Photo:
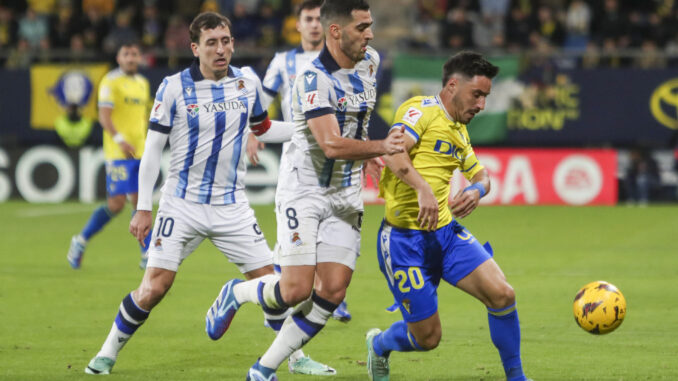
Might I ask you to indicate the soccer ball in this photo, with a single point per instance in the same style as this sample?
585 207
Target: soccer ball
599 308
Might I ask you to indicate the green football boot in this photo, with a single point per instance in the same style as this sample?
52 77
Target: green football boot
100 365
377 366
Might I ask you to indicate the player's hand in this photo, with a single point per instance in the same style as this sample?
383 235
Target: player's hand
253 148
127 149
428 209
394 142
464 203
372 169
141 225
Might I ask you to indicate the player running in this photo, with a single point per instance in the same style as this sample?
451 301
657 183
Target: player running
279 79
124 97
420 242
319 208
204 112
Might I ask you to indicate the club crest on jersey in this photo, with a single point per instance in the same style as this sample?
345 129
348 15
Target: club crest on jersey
295 239
371 69
341 103
193 110
241 85
158 242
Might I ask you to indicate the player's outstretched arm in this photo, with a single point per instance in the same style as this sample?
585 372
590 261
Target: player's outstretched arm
401 165
273 131
149 168
467 199
326 132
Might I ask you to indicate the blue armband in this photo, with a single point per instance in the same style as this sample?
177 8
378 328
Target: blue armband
477 186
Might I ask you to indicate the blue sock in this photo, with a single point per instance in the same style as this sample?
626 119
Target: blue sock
395 338
505 333
147 240
130 316
97 221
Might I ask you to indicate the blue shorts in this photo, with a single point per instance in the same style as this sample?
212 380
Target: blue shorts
414 261
122 177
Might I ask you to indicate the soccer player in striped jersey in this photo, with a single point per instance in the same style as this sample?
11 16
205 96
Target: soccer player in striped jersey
124 97
420 241
204 112
279 79
319 208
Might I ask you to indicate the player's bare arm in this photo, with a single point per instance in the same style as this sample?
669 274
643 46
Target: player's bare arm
253 148
401 165
325 130
467 199
107 123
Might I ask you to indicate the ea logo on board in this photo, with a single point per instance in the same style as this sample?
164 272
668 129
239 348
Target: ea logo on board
577 179
664 104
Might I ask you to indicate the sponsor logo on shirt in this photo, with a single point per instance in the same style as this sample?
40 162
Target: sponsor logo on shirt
193 109
412 115
223 106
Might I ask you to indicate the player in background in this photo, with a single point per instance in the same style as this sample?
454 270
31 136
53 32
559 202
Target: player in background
319 206
124 97
204 112
279 79
420 240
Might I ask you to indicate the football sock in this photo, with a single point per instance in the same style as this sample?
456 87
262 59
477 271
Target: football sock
147 240
97 221
396 338
274 315
505 334
248 291
307 319
130 317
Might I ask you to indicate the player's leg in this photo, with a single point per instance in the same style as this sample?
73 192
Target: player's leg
133 312
168 249
472 270
404 257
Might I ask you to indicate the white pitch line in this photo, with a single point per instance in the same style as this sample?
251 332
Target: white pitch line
45 211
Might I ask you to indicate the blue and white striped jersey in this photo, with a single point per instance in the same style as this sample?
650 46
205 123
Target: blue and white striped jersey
207 124
325 88
281 73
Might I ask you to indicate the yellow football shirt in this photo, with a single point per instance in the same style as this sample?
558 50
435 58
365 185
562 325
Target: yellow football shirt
129 97
442 145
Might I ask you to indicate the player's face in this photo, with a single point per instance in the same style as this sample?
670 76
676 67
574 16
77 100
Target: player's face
468 96
356 35
129 58
309 26
214 49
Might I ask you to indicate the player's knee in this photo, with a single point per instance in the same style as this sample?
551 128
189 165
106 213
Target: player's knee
503 297
296 293
116 204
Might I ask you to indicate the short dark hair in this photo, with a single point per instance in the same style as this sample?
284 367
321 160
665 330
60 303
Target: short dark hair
130 43
469 64
308 4
207 20
334 9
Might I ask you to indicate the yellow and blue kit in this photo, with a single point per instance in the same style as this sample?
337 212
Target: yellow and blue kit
414 260
129 98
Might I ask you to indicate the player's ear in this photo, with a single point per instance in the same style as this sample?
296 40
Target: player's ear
194 49
335 31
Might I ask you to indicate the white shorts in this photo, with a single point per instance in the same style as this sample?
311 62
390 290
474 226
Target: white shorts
319 225
180 226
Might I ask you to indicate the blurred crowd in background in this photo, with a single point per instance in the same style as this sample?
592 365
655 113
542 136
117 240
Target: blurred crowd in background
607 33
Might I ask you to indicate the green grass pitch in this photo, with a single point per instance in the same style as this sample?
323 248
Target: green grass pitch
53 319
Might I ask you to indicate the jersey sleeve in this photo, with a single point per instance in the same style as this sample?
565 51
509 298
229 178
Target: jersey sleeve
470 165
259 113
106 93
273 78
410 115
164 108
313 89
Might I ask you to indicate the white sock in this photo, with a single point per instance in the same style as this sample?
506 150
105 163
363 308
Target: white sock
114 342
247 291
307 319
